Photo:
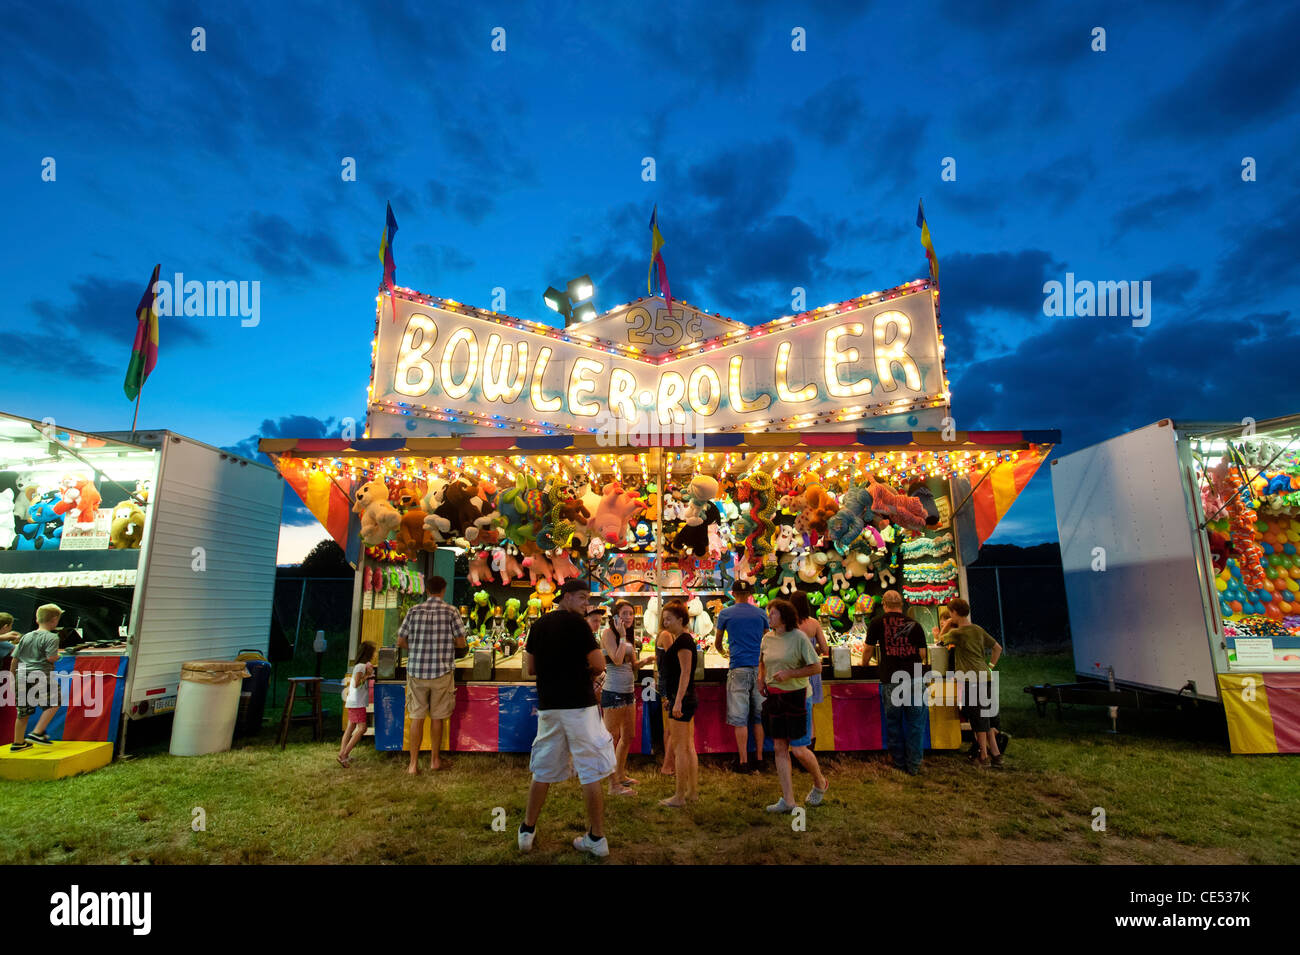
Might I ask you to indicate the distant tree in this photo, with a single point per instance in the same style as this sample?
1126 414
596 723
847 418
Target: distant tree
326 559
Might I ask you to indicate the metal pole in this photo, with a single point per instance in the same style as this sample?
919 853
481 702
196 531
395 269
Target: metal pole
1002 627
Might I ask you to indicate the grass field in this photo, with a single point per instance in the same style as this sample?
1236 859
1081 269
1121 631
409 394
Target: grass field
1170 791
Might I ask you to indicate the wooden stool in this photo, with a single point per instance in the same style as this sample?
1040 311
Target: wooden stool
311 690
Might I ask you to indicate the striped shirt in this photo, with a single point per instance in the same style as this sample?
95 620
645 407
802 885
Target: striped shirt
431 630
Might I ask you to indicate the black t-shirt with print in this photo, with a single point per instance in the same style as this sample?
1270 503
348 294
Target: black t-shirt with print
559 643
901 641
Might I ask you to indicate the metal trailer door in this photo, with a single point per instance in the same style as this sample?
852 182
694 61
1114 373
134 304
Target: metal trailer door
1121 505
209 579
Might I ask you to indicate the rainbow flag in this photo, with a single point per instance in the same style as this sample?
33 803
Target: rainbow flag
144 351
994 495
657 259
386 249
929 246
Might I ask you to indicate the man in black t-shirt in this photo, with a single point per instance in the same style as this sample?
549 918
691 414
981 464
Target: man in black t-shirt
902 661
563 653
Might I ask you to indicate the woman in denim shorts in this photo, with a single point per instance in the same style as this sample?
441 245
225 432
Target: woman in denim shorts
618 696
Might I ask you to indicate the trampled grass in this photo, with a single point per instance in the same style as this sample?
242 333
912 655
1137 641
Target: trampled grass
1169 788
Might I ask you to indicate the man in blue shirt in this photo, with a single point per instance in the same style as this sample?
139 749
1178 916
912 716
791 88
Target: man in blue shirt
743 624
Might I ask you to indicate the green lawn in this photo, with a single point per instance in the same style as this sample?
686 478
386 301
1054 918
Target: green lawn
1169 788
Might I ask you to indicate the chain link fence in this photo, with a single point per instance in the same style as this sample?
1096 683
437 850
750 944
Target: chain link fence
1023 606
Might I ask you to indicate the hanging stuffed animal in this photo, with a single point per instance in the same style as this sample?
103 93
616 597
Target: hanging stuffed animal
563 568
545 592
787 576
513 617
701 623
616 508
756 490
521 510
902 510
378 517
700 514
539 568
810 566
650 618
437 527
506 564
480 569
815 513
921 492
849 521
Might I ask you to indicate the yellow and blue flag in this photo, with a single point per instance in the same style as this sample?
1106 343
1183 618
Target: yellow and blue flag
657 260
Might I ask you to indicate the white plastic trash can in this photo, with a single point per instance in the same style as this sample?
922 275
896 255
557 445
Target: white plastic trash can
207 706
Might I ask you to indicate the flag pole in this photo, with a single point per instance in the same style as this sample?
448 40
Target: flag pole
135 417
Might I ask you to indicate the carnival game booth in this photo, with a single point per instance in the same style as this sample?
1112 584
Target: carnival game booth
158 549
1181 548
657 453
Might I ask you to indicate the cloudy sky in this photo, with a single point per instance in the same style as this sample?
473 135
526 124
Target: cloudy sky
775 168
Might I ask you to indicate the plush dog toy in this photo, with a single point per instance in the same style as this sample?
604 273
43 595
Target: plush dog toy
700 514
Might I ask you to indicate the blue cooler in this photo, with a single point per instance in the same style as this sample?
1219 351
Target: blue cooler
252 696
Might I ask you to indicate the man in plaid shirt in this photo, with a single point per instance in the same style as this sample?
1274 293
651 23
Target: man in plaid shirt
431 632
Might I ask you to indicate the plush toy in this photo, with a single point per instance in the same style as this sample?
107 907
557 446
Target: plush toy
514 620
44 527
922 493
857 564
700 513
756 490
809 567
818 508
521 510
651 500
563 568
545 592
719 540
616 508
87 500
834 571
566 513
595 549
643 535
127 529
742 570
650 618
902 510
480 568
438 527
787 576
481 613
378 517
787 537
701 623
460 507
849 521
505 563
26 493
539 568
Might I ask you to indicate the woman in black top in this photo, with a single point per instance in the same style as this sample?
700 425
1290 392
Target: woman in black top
675 652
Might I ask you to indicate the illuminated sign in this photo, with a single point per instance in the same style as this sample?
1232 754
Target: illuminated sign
441 368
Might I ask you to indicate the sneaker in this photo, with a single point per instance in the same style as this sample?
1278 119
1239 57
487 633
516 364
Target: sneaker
756 766
815 797
781 806
997 761
742 769
526 840
597 847
19 747
39 738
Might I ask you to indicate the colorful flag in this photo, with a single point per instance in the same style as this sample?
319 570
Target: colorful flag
386 249
144 351
994 495
929 245
657 259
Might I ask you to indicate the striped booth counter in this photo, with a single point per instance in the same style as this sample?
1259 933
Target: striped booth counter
502 718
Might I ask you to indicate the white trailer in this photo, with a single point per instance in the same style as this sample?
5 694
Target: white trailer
201 583
1139 576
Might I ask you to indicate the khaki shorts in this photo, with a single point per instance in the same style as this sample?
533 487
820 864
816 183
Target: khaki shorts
431 699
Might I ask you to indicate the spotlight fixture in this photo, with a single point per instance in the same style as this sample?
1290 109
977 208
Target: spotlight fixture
577 303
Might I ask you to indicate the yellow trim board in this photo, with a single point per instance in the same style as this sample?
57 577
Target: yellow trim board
55 761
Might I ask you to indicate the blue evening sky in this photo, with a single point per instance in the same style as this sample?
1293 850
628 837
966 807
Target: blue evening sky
775 169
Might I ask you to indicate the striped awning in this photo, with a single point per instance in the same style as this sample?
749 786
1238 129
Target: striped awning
860 439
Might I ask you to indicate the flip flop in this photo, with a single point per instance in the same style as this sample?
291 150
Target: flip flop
343 762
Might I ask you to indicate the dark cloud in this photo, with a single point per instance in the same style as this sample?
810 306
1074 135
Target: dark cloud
991 283
833 113
290 426
281 248
1172 286
1098 377
433 261
1162 210
104 309
1264 252
1247 76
